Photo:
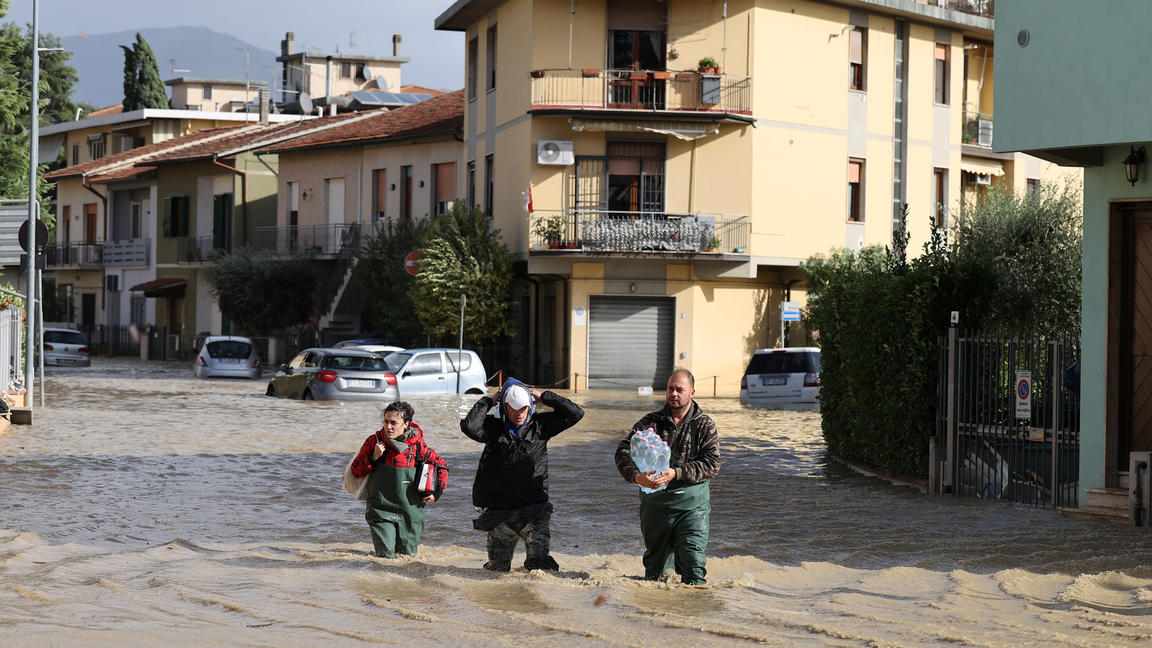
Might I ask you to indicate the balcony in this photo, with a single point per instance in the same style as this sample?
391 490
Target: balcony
602 231
74 255
977 129
119 254
641 90
985 8
196 249
338 239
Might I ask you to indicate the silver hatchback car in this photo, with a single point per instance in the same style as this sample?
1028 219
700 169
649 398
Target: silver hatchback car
434 371
65 347
227 356
335 374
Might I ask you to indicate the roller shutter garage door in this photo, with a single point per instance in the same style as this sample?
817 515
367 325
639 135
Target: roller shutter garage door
630 342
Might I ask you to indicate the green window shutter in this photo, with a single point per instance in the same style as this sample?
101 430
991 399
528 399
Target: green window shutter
168 229
219 222
185 217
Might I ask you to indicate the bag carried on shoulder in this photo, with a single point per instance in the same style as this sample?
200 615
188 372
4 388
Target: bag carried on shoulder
356 486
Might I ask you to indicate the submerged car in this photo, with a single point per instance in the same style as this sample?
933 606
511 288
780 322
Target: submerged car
227 356
335 374
782 377
66 348
434 371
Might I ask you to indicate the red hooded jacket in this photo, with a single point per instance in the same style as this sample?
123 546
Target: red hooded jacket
418 452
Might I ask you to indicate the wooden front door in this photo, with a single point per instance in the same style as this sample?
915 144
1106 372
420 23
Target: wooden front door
1135 430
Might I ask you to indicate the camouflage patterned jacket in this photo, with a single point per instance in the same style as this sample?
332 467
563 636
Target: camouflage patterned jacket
695 445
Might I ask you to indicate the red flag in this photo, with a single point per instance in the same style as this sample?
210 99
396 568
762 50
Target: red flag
528 200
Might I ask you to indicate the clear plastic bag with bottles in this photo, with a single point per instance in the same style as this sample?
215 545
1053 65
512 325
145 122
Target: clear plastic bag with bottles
650 453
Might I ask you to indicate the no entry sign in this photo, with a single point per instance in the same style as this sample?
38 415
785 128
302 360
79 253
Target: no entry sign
412 262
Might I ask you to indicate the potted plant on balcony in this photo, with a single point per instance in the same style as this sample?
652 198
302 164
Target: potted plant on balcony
549 229
707 65
713 243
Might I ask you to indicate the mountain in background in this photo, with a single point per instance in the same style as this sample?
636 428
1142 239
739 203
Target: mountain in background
196 52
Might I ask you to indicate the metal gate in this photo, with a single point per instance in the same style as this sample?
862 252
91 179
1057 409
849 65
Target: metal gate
630 342
984 449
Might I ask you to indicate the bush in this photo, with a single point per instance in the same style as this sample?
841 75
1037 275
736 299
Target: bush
1013 263
261 293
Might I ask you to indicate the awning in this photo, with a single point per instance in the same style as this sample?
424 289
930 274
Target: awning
980 166
686 131
160 287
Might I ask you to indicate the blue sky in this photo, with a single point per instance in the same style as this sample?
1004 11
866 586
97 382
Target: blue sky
364 26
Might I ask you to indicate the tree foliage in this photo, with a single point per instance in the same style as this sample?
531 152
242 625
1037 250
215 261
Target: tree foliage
386 284
463 255
1012 263
263 294
143 87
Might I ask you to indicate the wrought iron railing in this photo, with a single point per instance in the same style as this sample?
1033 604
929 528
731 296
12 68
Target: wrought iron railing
649 90
134 252
985 8
977 129
74 255
340 238
998 438
196 249
596 230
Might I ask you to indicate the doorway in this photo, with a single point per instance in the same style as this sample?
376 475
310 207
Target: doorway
1130 323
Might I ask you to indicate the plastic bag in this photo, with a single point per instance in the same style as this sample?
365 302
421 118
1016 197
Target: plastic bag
356 486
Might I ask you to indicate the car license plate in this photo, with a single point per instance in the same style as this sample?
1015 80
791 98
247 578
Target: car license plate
775 380
66 362
360 382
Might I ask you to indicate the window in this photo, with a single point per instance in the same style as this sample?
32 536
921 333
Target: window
62 233
90 223
406 193
136 306
95 147
941 94
75 154
345 69
207 90
425 363
635 174
379 193
443 187
490 59
473 52
856 191
137 211
489 169
471 184
857 56
293 214
360 74
940 197
1033 188
176 216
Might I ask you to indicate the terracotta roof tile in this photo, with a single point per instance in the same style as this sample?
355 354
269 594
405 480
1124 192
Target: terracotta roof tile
438 114
138 154
419 89
107 110
255 136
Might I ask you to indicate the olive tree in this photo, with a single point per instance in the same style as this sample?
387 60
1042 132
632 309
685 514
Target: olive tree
261 293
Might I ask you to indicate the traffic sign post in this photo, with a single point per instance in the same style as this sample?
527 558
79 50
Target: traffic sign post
789 312
1023 395
412 262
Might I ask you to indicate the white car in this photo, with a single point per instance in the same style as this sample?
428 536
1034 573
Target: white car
227 356
785 376
378 349
65 347
433 371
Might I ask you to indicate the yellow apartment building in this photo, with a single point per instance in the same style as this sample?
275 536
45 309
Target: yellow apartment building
214 95
683 157
325 79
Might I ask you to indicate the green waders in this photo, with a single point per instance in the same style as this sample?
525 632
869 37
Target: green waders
674 522
394 511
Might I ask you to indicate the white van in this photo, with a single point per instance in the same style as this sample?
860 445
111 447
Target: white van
785 376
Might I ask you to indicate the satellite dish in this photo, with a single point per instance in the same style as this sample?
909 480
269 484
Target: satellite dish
365 72
382 83
305 103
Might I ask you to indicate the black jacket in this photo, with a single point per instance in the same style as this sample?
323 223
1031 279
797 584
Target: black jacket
513 470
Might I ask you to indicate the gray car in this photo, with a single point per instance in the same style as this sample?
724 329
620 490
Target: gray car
227 356
433 371
65 347
335 374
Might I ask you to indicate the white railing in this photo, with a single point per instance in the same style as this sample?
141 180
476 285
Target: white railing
133 252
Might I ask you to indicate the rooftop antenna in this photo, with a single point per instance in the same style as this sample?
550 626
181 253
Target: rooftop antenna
173 69
247 79
351 40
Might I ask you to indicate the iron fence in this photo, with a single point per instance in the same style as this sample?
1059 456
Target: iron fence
81 255
1009 418
648 90
598 230
339 238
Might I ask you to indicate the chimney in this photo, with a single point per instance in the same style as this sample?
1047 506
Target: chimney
263 94
396 44
288 44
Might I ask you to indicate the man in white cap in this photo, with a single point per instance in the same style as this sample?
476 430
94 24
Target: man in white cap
511 487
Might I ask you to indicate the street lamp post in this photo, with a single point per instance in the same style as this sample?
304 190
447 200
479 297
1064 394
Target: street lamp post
33 211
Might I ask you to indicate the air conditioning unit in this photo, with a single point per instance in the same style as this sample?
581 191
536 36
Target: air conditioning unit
554 152
983 179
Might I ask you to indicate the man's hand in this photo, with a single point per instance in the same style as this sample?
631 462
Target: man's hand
428 499
535 393
655 479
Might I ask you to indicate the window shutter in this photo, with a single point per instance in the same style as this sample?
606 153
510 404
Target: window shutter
381 190
854 172
445 182
856 46
168 217
641 15
183 216
941 52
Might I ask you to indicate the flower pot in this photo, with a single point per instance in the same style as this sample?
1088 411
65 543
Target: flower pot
536 74
553 244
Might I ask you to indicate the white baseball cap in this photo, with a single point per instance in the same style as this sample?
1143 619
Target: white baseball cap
517 397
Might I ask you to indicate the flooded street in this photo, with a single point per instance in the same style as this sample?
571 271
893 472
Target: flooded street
148 507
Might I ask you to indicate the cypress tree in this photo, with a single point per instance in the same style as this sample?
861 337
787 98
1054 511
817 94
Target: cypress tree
131 92
149 84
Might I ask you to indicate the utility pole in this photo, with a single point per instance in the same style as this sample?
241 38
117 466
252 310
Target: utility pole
33 212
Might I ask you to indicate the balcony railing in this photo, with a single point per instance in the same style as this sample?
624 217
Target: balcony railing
594 230
196 249
338 239
977 129
647 90
74 255
985 8
134 252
